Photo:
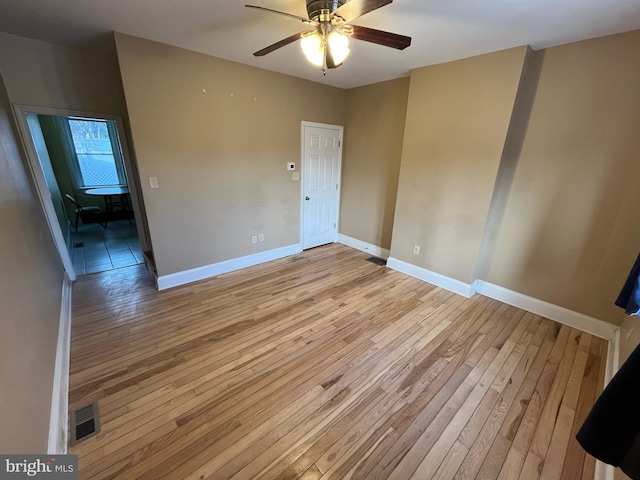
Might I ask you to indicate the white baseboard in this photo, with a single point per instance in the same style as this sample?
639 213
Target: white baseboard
59 419
208 271
364 246
561 315
448 283
603 470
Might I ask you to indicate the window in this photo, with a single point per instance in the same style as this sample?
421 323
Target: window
98 158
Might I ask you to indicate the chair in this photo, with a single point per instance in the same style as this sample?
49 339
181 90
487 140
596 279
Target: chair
86 214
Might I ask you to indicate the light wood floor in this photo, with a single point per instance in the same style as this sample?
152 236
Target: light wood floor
325 365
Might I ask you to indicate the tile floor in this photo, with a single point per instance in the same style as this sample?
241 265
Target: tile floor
97 249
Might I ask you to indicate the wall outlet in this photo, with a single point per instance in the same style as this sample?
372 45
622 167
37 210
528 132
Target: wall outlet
254 239
416 249
261 237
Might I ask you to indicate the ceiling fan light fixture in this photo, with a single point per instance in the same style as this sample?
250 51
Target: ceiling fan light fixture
327 45
338 45
313 48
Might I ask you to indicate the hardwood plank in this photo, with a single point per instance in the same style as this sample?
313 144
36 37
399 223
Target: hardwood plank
490 380
425 408
561 437
534 461
452 461
482 430
520 430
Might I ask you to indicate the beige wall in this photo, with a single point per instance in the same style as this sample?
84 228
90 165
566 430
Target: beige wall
571 227
46 75
218 136
30 294
554 214
457 121
371 162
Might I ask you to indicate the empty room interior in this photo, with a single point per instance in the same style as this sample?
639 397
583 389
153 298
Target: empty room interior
405 266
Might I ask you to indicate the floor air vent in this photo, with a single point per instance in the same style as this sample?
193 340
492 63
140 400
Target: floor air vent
377 261
85 423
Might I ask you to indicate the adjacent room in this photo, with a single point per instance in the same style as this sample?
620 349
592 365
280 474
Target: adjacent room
398 261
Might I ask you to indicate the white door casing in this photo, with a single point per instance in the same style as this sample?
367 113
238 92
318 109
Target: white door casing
321 167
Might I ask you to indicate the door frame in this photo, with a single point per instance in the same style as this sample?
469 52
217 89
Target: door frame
303 125
20 113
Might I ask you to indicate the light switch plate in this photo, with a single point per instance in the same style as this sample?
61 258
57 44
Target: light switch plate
295 176
153 182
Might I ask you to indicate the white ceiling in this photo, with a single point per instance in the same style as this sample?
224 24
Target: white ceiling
442 30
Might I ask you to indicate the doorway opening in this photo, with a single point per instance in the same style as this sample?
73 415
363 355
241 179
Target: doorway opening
87 186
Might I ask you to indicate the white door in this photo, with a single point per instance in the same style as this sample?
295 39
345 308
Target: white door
321 160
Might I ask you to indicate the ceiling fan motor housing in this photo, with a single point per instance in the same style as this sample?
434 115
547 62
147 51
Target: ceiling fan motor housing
317 7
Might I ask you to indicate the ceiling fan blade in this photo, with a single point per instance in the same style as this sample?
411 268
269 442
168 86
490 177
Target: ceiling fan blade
279 44
379 37
356 8
290 15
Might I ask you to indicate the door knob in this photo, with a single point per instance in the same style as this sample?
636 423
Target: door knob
306 198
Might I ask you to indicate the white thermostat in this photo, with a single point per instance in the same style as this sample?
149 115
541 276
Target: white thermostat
291 166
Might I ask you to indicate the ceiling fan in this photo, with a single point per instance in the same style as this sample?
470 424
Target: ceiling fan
327 44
